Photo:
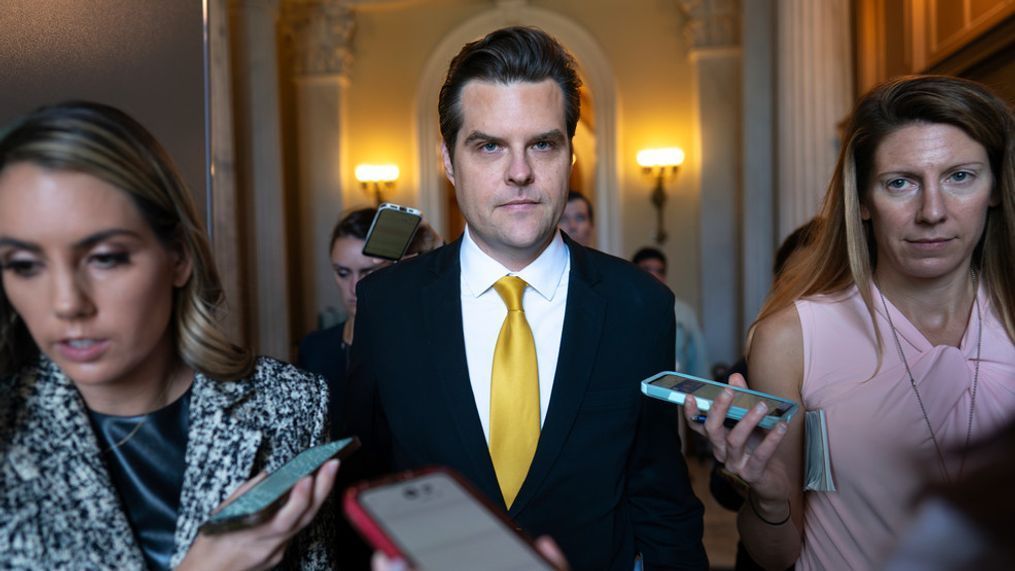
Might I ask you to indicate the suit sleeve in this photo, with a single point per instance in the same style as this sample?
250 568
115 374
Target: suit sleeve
666 514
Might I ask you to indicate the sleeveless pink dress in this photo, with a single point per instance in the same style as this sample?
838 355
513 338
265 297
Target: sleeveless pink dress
881 451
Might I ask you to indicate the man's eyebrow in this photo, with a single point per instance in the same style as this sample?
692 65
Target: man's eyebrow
553 135
480 136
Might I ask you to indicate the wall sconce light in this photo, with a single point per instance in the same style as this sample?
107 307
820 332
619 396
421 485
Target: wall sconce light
662 165
376 178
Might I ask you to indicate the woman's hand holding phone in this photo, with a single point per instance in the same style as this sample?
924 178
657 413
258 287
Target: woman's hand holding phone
262 546
754 463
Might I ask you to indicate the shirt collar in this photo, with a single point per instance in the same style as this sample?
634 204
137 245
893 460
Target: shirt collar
480 271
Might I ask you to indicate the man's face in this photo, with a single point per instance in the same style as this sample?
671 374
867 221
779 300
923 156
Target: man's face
577 222
511 167
654 266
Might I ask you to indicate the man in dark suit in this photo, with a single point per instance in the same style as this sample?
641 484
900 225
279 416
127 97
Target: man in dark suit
514 354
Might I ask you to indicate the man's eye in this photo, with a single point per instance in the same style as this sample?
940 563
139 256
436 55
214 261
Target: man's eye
488 147
543 145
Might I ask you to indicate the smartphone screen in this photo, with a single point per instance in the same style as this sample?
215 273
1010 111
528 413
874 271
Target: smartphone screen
439 525
711 392
273 488
391 232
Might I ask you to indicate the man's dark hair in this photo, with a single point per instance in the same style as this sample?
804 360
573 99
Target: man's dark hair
508 55
573 195
649 253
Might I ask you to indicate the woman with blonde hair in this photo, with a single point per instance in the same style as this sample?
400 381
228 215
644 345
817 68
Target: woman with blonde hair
127 416
898 323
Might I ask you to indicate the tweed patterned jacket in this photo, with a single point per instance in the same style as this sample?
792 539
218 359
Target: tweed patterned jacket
58 507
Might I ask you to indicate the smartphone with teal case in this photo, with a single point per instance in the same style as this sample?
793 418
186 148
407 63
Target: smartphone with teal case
261 501
675 387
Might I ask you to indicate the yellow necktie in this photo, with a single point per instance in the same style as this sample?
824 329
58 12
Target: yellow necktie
514 393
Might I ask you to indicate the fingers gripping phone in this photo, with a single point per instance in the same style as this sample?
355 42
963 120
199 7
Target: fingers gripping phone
436 521
676 387
391 231
261 501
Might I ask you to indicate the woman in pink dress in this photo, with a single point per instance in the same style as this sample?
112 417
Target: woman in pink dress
898 322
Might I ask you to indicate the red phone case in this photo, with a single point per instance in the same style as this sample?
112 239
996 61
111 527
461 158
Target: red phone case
374 533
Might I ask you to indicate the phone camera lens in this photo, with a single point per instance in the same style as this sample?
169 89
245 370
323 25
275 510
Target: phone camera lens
411 493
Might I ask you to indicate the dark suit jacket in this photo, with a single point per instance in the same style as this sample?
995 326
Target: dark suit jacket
323 352
608 479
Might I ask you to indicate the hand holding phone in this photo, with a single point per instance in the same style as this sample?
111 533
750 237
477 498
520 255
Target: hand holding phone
435 520
261 500
263 545
391 231
676 387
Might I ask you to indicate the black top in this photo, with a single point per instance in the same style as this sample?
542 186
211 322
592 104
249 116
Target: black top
146 458
325 353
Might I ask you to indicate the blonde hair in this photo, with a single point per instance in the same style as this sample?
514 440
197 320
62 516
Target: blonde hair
843 251
106 143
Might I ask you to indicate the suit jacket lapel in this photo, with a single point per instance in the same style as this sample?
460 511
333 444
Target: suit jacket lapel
580 338
221 451
442 317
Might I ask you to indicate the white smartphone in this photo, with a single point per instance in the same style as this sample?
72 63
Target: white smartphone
391 231
435 521
261 501
675 387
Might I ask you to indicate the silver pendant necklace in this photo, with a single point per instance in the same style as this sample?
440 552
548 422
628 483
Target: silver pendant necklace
916 391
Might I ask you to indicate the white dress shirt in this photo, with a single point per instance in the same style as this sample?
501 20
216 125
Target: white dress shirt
483 313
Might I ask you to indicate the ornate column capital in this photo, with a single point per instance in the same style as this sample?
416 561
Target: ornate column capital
711 23
319 35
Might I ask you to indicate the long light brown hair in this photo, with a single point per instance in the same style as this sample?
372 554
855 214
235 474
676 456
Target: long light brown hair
843 252
106 143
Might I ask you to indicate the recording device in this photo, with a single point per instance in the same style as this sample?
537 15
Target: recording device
676 387
434 520
391 231
262 500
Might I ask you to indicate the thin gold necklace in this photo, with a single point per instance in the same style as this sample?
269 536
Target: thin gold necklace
912 381
160 402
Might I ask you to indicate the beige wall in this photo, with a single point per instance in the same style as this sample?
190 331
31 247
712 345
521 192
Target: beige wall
648 60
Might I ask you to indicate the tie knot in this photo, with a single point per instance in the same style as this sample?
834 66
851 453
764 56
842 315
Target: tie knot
510 289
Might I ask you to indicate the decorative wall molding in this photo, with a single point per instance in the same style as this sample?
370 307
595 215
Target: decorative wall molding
711 23
319 34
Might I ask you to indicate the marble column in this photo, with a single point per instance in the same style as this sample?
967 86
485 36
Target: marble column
712 29
260 174
814 93
319 36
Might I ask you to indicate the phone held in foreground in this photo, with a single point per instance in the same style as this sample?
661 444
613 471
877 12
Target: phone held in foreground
261 501
391 231
675 387
435 520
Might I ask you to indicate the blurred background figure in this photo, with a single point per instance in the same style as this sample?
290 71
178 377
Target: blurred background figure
578 220
692 356
326 352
